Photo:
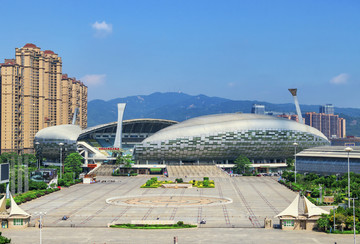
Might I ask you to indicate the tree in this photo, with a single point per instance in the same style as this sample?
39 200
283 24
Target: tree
242 165
73 163
290 163
323 223
125 160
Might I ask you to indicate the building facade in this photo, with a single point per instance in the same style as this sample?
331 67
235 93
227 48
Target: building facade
74 96
294 117
328 160
221 138
329 124
327 109
258 109
31 97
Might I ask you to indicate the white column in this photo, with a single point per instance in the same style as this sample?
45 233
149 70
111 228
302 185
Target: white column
118 137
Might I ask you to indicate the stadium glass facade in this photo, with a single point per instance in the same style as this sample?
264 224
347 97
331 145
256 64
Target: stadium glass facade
220 138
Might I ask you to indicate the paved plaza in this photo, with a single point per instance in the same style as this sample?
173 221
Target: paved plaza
235 209
239 202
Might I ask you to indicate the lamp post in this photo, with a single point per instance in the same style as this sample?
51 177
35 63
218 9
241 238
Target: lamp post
334 218
354 218
61 144
348 150
41 214
295 145
37 153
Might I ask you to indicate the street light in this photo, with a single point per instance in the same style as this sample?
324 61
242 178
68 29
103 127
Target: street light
354 218
348 150
334 217
295 145
40 222
37 153
61 144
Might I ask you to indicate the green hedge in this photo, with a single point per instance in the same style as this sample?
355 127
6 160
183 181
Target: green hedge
30 195
123 174
133 226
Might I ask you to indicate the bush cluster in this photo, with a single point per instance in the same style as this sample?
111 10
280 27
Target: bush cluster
34 185
180 180
154 183
68 180
206 183
343 220
4 240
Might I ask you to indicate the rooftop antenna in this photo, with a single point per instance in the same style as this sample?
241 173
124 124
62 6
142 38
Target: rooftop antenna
118 137
298 111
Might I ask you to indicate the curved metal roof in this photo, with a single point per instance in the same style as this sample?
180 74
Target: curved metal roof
229 122
125 124
62 132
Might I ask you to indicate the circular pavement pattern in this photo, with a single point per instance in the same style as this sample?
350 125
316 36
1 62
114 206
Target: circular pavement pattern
168 201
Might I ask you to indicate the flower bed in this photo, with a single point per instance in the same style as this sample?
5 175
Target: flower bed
154 183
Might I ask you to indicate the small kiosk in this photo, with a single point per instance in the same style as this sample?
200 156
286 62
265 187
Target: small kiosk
16 218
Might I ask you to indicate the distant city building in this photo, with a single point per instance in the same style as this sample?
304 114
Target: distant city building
74 95
32 97
294 117
328 160
327 109
258 109
329 124
273 113
349 141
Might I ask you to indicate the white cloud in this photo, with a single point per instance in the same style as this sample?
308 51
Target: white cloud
94 80
340 79
102 29
231 84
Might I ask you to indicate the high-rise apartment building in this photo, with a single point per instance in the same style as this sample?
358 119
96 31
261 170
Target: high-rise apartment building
258 109
32 97
329 124
327 109
294 117
74 96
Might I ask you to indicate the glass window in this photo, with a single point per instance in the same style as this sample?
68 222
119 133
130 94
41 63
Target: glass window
18 222
288 222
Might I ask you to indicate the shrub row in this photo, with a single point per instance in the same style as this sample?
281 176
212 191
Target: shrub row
30 195
117 173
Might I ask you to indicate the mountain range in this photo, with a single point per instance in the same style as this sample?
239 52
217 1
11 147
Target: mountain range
180 106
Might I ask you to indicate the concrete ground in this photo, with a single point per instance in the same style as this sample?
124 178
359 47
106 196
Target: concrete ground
185 236
253 199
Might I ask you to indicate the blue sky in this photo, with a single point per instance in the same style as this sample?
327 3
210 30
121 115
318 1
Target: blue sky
242 50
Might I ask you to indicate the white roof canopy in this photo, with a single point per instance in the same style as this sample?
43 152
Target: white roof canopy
16 210
310 209
3 205
292 210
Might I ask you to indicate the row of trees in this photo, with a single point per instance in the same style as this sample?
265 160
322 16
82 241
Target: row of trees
72 169
331 185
